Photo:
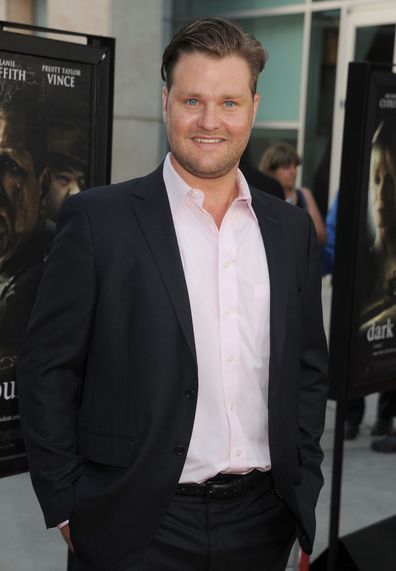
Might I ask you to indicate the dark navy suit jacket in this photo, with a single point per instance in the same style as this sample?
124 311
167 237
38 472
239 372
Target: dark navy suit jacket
108 364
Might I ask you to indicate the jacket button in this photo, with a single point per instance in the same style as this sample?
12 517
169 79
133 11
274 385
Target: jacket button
180 450
190 394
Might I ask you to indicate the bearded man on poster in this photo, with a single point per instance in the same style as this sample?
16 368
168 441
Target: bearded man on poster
24 236
172 380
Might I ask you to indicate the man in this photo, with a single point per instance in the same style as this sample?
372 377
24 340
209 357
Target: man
67 155
24 238
172 381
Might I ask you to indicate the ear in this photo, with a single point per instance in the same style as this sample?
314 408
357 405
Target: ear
165 94
256 103
44 184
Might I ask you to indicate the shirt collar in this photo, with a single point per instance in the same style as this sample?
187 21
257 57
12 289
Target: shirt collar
177 189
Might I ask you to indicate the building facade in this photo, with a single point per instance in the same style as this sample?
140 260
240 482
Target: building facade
309 43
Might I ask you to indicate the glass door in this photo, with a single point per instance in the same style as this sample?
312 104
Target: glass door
369 34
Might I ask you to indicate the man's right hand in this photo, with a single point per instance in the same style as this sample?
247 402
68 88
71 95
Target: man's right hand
65 531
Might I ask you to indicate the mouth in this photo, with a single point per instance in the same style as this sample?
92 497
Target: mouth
208 140
4 223
5 236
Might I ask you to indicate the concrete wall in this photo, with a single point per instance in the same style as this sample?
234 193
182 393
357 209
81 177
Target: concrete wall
141 30
21 11
3 9
89 16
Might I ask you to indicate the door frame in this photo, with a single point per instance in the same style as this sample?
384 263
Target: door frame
352 18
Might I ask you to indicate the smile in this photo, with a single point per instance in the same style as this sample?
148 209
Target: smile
206 140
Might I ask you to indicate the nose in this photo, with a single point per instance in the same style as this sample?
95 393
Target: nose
209 118
3 196
74 188
385 187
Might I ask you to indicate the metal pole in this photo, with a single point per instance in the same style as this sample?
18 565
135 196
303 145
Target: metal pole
336 485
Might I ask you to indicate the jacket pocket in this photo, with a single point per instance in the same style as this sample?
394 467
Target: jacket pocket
298 466
105 448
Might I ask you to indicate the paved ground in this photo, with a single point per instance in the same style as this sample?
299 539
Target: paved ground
369 486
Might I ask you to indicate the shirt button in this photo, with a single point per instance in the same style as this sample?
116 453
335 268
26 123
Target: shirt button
230 358
190 394
238 453
180 450
227 311
226 264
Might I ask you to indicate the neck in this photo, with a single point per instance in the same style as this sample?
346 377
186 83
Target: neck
385 242
290 195
218 200
219 192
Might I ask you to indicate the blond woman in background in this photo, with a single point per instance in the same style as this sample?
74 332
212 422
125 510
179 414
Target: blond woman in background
281 161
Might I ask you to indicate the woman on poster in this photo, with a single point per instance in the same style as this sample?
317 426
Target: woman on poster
379 310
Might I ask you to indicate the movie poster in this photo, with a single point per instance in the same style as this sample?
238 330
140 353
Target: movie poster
376 275
45 134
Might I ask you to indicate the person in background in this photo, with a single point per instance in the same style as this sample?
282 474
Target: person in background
24 236
67 160
258 179
281 161
327 250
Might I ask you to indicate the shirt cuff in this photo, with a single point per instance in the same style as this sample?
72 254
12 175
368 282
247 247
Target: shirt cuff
62 524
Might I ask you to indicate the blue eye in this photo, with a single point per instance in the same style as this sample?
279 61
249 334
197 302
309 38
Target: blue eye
192 102
229 104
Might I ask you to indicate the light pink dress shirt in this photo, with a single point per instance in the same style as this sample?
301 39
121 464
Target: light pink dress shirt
228 285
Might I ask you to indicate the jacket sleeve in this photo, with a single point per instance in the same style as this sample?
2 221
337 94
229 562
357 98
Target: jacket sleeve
51 366
313 376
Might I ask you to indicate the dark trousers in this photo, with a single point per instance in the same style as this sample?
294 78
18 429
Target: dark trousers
386 407
253 532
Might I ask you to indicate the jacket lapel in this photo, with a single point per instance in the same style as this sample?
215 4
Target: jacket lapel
272 233
152 209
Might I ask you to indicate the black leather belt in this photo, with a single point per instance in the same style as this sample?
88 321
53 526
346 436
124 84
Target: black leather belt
225 486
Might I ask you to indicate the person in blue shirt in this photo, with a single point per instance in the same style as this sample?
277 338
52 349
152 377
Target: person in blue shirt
327 251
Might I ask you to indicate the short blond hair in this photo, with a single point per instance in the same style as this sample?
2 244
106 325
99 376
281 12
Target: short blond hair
216 38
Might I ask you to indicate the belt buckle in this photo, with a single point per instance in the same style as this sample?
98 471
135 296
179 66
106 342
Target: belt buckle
213 487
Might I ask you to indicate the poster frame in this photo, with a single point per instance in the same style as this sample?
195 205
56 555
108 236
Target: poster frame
78 48
364 81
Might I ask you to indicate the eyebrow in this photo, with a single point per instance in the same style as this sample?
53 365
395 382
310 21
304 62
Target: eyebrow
195 95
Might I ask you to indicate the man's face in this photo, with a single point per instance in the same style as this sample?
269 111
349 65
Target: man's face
64 183
208 112
20 190
383 186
